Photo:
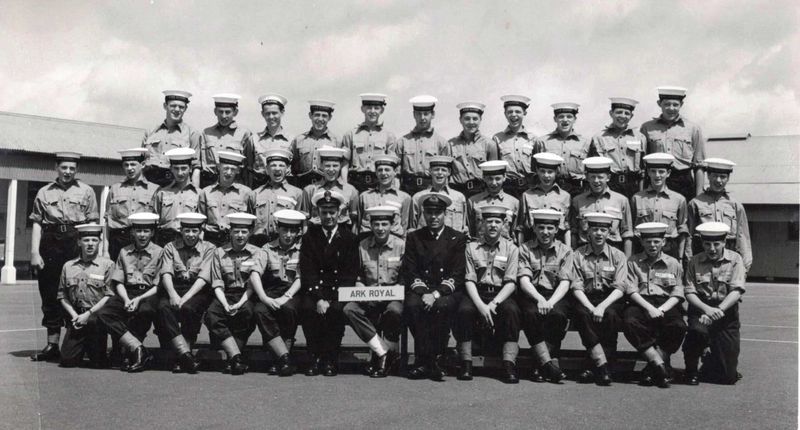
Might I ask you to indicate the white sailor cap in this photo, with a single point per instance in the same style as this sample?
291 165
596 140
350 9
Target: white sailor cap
91 229
597 164
228 157
180 155
435 200
623 102
331 153
670 92
659 159
423 102
546 216
494 167
548 159
278 154
719 165
713 230
598 219
190 219
226 100
466 107
440 161
327 198
516 100
565 107
494 211
133 154
176 95
67 156
143 219
386 213
321 105
651 229
273 99
386 160
240 219
289 217
373 99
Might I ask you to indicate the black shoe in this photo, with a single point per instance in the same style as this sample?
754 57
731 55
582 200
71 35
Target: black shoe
284 366
379 366
586 377
691 378
646 377
238 367
660 376
141 360
188 363
49 352
176 367
536 375
510 373
552 372
272 369
602 376
370 367
126 364
465 373
330 368
315 367
437 372
418 371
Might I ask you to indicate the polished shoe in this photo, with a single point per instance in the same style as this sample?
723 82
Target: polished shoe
284 366
126 364
379 367
552 372
418 371
660 376
238 366
586 377
140 360
188 363
315 367
49 352
646 377
536 375
370 367
602 376
691 378
272 369
330 368
465 373
510 373
437 371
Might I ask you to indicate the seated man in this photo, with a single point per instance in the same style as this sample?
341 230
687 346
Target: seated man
490 281
380 258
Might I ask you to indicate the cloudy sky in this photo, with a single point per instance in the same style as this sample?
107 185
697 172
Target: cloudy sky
108 61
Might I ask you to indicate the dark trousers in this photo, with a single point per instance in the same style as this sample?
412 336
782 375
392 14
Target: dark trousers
56 249
218 238
507 321
571 185
517 186
118 321
643 332
413 184
186 320
550 328
222 326
304 180
164 236
323 333
256 179
626 184
89 340
723 339
282 322
362 181
371 318
260 240
118 238
158 175
682 182
604 332
469 188
431 328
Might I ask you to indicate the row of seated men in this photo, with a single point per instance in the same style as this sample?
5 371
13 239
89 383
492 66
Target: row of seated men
485 284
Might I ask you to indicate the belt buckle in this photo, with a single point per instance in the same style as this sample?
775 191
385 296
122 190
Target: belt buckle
522 182
419 182
490 289
62 228
470 185
367 178
621 178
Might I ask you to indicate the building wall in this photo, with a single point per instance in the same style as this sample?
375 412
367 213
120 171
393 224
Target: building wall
774 254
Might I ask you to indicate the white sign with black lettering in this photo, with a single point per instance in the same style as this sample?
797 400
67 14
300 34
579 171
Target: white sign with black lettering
372 294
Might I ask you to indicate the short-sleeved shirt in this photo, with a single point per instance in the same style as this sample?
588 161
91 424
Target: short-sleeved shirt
187 263
468 154
135 267
537 198
492 265
546 267
231 138
126 198
75 203
416 147
270 198
305 158
599 272
349 209
608 202
172 200
215 202
455 215
163 138
515 148
261 143
476 202
380 263
720 207
664 206
712 280
624 147
84 283
681 138
363 143
277 267
660 278
226 268
573 148
391 197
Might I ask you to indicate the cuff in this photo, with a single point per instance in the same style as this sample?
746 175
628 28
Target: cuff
419 287
448 286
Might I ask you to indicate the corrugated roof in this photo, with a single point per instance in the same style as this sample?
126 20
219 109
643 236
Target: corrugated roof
767 168
30 133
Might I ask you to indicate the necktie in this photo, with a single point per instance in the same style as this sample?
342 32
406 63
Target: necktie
328 235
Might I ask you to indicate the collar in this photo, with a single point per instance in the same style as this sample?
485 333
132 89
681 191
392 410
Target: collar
265 133
552 248
643 258
365 126
678 120
716 194
376 189
612 129
338 181
313 133
276 245
522 130
652 190
475 138
372 243
571 136
333 232
180 126
179 244
273 185
726 256
589 250
427 132
247 249
73 183
436 235
139 181
482 242
555 188
174 186
234 186
232 126
499 196
92 262
605 193
149 249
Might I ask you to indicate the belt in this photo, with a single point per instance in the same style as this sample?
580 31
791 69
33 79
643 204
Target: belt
517 182
59 228
417 180
622 178
137 287
365 176
488 288
677 173
470 184
124 230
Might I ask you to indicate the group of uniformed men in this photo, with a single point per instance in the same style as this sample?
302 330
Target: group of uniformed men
486 235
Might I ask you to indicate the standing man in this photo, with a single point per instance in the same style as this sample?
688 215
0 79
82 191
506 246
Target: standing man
273 137
568 144
490 281
277 194
331 161
171 134
380 257
306 166
494 173
469 149
58 207
515 146
225 135
455 215
133 195
368 140
178 197
545 194
433 273
675 135
417 146
385 193
223 198
622 144
328 260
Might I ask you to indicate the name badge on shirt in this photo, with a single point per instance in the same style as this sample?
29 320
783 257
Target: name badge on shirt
290 200
633 145
500 261
393 259
608 269
97 277
394 203
665 275
527 146
292 264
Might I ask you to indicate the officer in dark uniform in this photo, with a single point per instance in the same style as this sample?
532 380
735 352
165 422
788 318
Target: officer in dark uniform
58 207
328 260
433 273
225 197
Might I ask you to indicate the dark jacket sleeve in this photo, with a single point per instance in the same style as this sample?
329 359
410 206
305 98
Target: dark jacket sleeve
454 278
309 263
409 271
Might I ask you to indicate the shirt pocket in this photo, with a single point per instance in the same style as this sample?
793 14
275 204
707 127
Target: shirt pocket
134 277
229 274
167 201
702 282
238 207
729 218
454 218
644 215
190 202
393 269
706 214
75 208
153 142
476 154
119 206
671 219
665 281
286 202
683 147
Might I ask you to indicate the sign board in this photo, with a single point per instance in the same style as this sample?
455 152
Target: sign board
371 294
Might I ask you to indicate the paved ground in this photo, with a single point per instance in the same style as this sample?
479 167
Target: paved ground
42 395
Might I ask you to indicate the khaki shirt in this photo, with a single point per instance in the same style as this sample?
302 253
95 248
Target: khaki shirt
363 143
226 268
546 267
599 272
624 147
305 158
231 138
416 147
660 278
666 207
711 280
681 138
349 209
380 264
537 198
186 263
391 197
261 143
573 149
172 200
127 198
162 138
491 265
56 204
516 148
270 198
137 266
83 284
720 207
277 267
476 202
610 202
468 154
215 203
455 215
